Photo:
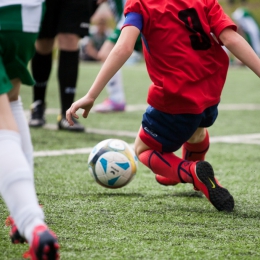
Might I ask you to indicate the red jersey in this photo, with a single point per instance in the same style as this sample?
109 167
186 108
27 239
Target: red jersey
187 66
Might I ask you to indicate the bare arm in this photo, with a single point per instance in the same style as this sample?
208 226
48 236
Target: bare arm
238 46
115 60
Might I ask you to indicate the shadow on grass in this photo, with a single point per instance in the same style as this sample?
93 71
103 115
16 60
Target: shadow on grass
117 194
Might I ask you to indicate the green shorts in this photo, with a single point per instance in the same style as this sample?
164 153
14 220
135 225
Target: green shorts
113 37
16 50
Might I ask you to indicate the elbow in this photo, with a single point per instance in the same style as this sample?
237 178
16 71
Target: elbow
229 42
229 38
123 51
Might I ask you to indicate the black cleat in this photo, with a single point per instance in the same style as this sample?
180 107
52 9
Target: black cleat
14 234
64 125
37 114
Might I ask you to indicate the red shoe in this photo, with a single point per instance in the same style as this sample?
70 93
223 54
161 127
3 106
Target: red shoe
204 180
165 181
44 245
15 236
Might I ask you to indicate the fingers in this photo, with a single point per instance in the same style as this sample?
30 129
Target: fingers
84 103
85 113
71 112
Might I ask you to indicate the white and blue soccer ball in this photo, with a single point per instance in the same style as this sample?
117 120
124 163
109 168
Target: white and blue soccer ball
112 163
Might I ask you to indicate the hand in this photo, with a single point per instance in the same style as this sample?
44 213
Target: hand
85 103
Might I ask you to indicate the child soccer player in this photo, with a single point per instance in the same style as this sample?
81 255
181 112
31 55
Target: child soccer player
188 67
20 21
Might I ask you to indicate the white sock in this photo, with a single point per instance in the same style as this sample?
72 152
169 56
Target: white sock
17 186
18 112
115 88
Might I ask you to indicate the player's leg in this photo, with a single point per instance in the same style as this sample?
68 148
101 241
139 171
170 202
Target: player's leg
42 62
115 88
16 175
17 184
41 65
197 146
165 164
159 136
68 64
194 149
16 171
69 33
23 128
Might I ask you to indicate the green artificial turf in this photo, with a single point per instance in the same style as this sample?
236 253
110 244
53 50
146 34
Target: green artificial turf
144 220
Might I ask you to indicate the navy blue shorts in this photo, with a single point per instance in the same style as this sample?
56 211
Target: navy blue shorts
167 132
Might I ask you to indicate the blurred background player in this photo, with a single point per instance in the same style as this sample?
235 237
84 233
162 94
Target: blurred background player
20 22
248 27
69 21
116 100
93 43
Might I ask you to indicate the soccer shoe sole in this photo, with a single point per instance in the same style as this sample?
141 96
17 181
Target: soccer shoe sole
220 197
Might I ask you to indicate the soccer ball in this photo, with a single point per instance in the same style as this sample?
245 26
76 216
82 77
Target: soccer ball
112 163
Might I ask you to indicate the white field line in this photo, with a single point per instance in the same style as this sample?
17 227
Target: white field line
142 107
232 139
235 139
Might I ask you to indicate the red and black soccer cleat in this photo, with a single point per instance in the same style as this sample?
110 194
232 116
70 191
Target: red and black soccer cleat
15 236
204 180
44 245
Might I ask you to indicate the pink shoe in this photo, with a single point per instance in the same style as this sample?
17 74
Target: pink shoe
109 106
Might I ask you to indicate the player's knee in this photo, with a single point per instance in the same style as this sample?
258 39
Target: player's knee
198 136
140 146
13 94
68 41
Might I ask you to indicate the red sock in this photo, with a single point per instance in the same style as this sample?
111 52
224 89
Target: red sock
195 151
167 165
